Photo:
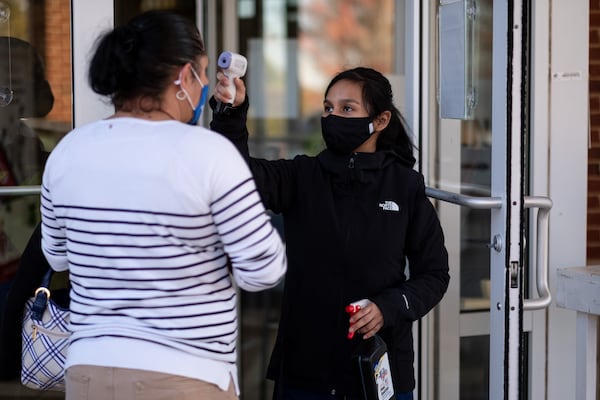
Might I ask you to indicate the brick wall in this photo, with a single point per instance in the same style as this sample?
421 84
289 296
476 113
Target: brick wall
58 57
593 216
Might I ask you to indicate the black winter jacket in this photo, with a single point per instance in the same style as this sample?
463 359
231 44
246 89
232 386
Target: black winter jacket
351 225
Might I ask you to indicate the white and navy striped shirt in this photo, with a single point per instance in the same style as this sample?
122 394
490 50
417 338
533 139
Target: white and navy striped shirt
150 218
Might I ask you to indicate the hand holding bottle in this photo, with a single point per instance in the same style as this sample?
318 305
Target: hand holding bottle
365 318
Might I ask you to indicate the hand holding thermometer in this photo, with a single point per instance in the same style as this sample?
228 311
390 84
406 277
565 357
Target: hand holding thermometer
353 308
233 66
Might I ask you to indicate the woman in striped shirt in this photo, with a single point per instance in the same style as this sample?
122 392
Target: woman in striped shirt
157 221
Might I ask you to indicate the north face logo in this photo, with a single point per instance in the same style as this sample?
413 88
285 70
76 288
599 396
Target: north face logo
389 205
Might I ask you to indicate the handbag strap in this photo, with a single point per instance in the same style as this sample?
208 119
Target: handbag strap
42 295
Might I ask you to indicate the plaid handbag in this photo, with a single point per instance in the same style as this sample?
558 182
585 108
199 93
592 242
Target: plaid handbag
45 336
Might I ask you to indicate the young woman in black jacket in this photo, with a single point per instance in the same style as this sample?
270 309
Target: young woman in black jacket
357 225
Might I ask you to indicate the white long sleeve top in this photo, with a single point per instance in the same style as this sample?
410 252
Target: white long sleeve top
153 220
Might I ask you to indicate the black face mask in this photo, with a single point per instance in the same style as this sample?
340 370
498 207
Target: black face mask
344 135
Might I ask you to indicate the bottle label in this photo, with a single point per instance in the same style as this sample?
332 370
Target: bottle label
383 378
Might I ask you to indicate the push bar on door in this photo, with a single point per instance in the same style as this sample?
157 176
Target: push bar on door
544 204
19 190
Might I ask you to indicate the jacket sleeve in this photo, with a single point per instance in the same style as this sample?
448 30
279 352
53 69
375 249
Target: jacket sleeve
232 125
427 265
275 179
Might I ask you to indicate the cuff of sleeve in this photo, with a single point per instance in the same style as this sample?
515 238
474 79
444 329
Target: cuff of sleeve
220 109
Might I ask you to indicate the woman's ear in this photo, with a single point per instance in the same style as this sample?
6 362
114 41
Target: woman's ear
382 120
183 74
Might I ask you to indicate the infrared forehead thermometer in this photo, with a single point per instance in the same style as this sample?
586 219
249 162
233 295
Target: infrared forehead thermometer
233 65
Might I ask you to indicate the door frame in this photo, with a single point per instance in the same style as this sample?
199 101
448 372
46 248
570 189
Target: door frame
88 20
558 168
567 106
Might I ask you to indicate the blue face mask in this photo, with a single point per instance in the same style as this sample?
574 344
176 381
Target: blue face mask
199 106
203 95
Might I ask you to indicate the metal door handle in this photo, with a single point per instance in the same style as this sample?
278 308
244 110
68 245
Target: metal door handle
20 190
464 200
544 204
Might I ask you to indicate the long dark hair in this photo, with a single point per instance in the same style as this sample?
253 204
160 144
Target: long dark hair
377 94
136 60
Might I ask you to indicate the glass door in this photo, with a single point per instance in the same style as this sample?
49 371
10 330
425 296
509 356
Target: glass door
35 112
478 114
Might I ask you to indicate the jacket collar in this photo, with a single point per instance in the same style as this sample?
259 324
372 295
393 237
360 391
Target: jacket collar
340 164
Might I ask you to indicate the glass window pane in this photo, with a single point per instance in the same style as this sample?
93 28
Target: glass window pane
475 169
474 367
35 112
293 50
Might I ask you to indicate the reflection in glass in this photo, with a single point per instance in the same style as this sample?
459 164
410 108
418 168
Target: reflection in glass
475 177
293 50
4 12
474 367
35 70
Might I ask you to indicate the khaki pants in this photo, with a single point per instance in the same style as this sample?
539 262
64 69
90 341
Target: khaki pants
85 382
